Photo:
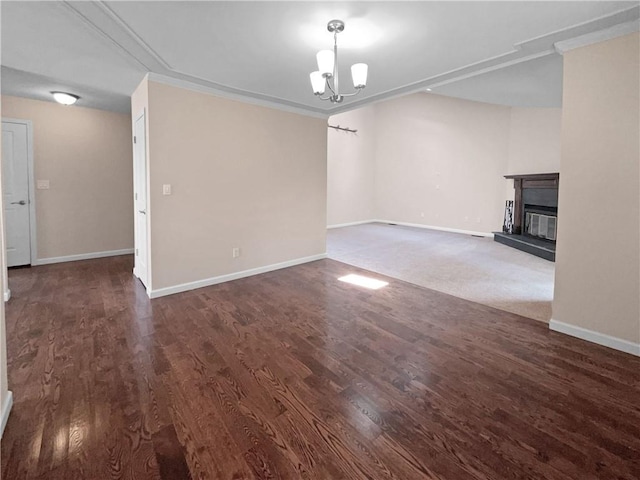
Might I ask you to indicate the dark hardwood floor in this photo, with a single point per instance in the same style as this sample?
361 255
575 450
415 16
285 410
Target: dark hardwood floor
294 374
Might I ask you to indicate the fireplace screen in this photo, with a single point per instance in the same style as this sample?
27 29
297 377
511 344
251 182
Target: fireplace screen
540 225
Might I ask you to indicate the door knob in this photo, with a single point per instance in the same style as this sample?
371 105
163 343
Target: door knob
144 212
21 202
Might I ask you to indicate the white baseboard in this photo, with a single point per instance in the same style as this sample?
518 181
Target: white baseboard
441 229
6 410
350 224
83 256
7 295
595 337
161 292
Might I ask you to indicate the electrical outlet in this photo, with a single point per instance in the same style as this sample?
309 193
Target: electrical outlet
166 189
478 220
235 253
422 214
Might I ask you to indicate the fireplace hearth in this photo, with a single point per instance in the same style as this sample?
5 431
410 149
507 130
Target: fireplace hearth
535 215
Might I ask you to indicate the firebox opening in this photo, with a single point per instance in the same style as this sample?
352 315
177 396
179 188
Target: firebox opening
540 222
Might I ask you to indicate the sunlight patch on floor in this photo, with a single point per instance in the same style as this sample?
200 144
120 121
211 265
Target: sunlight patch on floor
362 281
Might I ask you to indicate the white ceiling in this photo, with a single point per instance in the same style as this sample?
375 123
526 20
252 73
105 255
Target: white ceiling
264 51
534 83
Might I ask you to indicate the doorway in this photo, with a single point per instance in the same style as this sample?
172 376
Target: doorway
141 265
17 192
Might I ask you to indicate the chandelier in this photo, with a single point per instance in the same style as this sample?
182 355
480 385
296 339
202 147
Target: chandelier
327 74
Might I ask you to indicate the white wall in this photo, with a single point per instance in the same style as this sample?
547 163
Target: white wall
351 168
242 176
598 251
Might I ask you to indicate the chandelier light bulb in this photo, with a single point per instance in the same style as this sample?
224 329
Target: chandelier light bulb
317 83
325 62
359 74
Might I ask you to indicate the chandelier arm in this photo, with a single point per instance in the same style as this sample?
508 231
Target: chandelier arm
330 87
324 98
352 94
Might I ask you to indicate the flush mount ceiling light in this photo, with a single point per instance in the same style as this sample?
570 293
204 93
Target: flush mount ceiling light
327 74
65 98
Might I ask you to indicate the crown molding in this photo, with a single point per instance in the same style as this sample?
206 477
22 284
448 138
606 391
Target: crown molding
524 51
95 30
432 83
127 28
200 88
111 27
118 34
597 37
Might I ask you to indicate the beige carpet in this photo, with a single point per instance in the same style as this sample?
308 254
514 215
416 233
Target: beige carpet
473 268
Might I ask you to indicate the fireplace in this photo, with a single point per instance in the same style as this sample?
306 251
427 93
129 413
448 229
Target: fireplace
535 215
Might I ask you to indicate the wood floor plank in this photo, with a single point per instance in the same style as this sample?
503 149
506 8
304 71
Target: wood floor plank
295 375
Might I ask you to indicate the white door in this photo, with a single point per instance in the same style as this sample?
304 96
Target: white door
141 268
15 190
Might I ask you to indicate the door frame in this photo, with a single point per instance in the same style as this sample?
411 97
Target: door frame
141 114
32 191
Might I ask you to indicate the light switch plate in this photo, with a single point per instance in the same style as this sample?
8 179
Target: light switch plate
42 184
166 189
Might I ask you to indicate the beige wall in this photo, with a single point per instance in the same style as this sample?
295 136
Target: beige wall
87 157
444 158
351 168
534 140
598 252
412 145
242 176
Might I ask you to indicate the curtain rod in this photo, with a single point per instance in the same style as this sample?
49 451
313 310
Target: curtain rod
344 129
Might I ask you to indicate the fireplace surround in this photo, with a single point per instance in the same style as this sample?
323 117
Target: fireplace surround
535 214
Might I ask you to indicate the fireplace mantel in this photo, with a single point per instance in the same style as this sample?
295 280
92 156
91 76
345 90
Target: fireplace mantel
530 180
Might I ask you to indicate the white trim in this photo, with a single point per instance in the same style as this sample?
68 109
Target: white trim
442 229
33 244
137 38
519 51
595 337
161 292
83 256
6 410
7 295
147 189
490 68
243 96
349 224
129 31
597 37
